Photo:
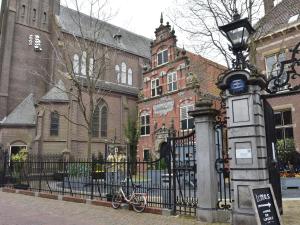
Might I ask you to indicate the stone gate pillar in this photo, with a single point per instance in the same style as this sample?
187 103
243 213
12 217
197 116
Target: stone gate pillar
207 183
246 139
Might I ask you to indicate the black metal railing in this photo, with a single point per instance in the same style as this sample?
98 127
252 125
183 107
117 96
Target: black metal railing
93 179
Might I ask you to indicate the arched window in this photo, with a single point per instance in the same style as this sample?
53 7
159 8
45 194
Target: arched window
91 67
123 73
103 121
76 64
99 121
83 63
95 123
117 69
129 78
54 123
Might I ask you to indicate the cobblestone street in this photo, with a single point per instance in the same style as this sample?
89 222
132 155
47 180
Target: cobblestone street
17 209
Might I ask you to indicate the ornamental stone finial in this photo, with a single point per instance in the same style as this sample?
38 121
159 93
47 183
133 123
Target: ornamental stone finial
161 18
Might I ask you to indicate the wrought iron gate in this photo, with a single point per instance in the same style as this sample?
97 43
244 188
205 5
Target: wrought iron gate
222 168
272 156
183 151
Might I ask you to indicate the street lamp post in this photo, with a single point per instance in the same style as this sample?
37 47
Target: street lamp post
238 33
242 88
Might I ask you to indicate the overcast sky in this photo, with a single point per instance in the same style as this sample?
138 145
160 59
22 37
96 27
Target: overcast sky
139 16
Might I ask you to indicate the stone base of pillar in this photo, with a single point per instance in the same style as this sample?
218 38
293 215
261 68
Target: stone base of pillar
243 218
213 216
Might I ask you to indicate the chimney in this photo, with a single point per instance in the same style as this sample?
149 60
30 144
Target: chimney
269 5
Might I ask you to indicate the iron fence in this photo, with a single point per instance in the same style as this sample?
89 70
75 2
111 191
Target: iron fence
93 179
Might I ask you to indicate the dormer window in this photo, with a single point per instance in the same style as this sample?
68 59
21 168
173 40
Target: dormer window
162 57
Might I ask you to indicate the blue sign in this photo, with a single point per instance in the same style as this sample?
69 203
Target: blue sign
237 86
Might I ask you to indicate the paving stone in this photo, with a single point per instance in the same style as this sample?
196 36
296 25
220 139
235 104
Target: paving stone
17 209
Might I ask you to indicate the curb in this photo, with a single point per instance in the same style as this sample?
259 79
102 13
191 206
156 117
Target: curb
73 199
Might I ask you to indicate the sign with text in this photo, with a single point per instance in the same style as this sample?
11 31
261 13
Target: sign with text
243 153
265 205
237 83
163 108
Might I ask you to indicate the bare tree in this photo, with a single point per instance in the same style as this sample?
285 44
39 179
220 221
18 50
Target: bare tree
200 20
82 62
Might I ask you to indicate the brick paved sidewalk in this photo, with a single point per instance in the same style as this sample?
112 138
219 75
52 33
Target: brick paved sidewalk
17 209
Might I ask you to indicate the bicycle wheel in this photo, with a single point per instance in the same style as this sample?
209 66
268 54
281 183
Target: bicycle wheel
116 200
139 203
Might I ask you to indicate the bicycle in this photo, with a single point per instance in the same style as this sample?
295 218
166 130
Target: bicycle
137 200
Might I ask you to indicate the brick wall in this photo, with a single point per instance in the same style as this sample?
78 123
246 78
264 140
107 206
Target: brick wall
272 44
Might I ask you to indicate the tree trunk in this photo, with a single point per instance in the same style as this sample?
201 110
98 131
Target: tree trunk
89 150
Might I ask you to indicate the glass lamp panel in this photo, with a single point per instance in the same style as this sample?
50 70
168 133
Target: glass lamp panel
245 35
236 35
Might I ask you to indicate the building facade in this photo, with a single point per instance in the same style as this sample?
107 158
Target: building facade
278 32
172 84
37 111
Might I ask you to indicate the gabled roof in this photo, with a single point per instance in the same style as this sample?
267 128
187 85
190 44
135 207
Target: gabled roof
56 94
112 35
278 18
23 114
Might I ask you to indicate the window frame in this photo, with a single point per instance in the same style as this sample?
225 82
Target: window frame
123 73
173 82
188 117
98 128
275 68
129 75
145 124
146 150
103 130
118 72
76 64
83 64
283 126
155 88
162 55
54 124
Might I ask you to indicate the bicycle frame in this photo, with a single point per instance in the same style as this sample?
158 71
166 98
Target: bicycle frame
124 196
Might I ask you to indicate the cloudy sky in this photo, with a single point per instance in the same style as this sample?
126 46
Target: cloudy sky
138 16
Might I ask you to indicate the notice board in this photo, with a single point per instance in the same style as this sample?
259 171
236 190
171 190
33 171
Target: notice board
265 206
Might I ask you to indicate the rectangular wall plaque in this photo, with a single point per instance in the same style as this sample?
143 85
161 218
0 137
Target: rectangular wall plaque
240 110
243 153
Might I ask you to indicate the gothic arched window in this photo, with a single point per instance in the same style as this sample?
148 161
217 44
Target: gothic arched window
103 126
123 73
54 123
129 78
117 69
83 63
76 64
99 121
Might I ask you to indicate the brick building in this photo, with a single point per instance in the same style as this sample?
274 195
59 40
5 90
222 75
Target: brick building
31 105
175 80
279 31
